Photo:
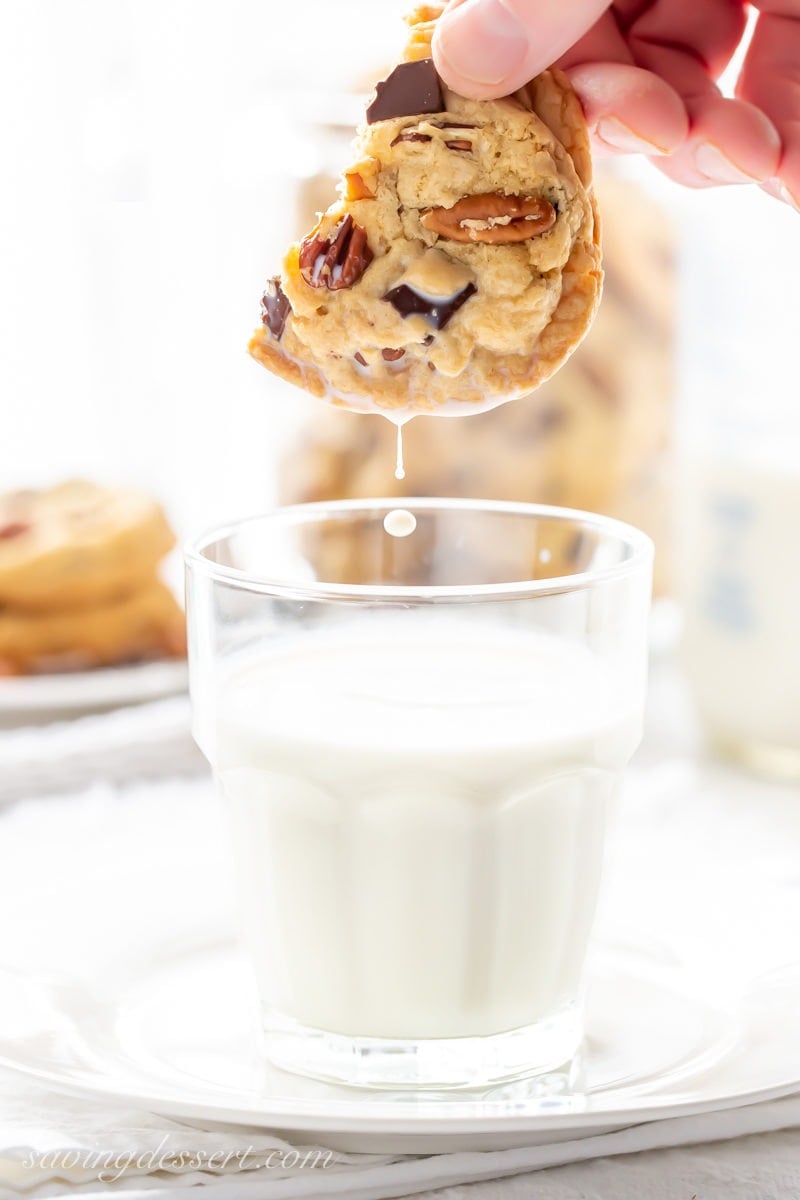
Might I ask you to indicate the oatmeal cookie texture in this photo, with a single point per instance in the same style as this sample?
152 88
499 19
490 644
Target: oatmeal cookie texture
461 264
79 584
79 543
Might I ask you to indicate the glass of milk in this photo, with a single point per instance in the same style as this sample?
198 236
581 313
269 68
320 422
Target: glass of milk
418 720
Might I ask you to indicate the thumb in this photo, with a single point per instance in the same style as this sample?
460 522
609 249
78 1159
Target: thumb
488 48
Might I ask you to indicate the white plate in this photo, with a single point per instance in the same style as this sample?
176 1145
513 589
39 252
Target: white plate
176 1034
84 691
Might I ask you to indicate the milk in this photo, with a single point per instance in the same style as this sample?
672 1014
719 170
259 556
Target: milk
418 816
741 589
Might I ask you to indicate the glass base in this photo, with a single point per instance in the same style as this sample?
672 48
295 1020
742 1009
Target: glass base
546 1049
781 763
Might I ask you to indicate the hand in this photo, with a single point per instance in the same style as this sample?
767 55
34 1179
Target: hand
645 72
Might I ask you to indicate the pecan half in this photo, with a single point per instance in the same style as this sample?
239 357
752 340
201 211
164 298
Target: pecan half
356 187
492 218
337 260
415 133
13 529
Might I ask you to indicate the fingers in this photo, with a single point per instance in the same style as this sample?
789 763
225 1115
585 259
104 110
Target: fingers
729 141
488 48
629 110
706 30
770 79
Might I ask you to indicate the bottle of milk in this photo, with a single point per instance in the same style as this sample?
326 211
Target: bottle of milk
739 490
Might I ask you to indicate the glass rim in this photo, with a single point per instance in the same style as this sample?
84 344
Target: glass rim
195 558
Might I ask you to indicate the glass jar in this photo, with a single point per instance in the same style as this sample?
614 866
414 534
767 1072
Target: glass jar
739 484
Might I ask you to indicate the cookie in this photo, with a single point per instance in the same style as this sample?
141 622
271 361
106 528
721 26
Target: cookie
596 436
147 623
78 543
460 267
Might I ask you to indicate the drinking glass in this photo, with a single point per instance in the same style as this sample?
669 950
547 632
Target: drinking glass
418 737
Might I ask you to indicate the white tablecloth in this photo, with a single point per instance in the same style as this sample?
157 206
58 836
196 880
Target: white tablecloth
706 853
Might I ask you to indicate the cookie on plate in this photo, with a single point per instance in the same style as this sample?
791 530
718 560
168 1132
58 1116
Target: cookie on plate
460 267
78 543
145 624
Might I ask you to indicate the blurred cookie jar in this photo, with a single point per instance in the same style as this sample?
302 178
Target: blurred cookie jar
596 436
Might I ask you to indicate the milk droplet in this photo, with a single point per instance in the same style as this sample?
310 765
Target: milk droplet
400 470
399 523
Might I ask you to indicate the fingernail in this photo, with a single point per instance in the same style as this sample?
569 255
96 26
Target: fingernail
717 167
786 196
482 41
619 136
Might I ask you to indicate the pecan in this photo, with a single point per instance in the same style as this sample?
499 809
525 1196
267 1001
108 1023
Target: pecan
13 529
337 260
492 218
414 133
355 187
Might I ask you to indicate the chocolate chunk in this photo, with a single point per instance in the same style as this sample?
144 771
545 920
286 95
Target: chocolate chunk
359 357
392 355
275 308
438 311
412 89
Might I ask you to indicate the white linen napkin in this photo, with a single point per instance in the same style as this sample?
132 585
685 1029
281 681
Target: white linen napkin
57 1145
142 741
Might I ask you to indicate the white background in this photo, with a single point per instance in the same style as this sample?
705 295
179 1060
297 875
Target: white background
149 151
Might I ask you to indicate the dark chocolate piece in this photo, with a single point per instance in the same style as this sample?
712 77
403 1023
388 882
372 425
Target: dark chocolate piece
359 357
275 308
438 312
412 89
392 355
412 136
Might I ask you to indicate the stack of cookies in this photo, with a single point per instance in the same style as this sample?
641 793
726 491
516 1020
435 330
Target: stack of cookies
79 585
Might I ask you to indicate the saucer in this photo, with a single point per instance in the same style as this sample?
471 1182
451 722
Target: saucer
85 691
176 1033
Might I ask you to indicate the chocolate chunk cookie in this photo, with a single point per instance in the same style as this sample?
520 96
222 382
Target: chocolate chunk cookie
461 265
